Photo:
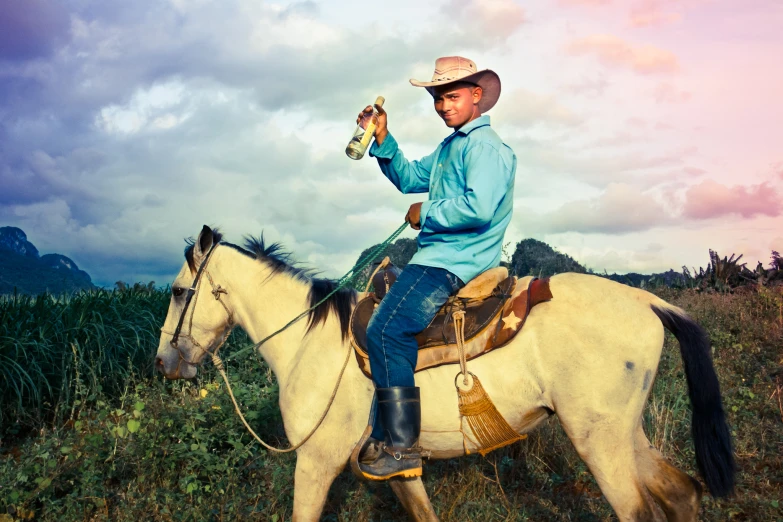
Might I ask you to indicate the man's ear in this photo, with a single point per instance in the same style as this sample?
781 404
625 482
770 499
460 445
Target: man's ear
202 245
477 92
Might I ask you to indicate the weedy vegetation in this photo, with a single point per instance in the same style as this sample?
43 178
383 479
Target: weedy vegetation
89 432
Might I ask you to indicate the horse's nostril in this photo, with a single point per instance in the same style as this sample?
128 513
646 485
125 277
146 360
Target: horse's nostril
159 364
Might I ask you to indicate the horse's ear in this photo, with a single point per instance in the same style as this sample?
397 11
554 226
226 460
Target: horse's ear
203 244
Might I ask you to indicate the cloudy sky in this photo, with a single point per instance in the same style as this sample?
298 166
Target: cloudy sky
646 131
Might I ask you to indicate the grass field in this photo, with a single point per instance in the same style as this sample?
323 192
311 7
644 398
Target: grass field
89 432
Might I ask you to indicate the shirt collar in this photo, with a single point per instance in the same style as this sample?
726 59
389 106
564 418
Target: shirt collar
474 124
466 129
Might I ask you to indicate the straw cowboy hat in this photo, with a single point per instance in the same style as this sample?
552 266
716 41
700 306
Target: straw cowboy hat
450 69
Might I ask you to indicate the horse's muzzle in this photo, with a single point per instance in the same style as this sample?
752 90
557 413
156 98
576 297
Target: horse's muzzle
175 369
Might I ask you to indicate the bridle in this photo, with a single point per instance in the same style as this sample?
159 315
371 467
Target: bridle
217 290
192 297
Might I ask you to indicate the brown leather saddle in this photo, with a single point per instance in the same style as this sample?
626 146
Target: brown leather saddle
496 306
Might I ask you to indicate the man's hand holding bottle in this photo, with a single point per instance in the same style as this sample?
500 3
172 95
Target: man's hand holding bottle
380 127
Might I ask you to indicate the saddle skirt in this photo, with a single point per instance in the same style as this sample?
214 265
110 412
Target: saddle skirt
496 307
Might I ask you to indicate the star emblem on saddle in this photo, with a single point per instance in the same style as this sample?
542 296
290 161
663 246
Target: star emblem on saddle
511 321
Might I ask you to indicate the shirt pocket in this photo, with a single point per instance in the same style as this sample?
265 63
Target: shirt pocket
451 181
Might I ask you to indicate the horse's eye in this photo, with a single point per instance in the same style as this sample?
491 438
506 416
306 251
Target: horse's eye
177 291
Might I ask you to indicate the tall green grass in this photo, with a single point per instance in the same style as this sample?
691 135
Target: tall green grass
46 342
137 447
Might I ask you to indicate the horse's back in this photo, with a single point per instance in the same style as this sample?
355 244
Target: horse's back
598 307
596 337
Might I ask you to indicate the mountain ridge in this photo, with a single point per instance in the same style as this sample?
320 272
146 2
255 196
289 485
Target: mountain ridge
530 257
24 270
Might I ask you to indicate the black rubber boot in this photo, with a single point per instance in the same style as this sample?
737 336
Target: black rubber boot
400 456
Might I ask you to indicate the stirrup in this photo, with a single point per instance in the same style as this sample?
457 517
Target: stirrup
357 451
393 463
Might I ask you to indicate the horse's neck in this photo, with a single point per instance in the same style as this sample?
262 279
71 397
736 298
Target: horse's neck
264 302
307 366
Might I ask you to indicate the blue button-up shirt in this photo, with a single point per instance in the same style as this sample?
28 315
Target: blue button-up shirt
470 180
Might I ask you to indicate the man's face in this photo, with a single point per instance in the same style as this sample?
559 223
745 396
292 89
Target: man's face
457 104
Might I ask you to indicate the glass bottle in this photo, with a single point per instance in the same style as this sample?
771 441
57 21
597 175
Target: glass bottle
364 132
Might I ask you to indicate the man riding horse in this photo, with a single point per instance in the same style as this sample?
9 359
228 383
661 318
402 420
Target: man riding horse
470 181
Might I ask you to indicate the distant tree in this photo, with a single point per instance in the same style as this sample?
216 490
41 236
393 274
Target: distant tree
400 253
722 274
533 257
505 256
774 275
777 261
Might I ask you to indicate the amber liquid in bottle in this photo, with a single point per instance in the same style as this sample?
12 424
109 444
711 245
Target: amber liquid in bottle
364 133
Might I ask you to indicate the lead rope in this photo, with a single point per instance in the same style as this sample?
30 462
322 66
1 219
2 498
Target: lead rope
345 280
219 365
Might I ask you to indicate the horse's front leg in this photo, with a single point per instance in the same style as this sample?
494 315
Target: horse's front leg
312 480
414 497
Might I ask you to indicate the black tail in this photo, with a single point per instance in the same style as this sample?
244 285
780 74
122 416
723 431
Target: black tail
711 438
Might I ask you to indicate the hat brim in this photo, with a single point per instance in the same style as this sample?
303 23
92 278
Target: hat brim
487 79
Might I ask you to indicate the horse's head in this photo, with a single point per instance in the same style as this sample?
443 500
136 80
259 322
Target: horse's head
198 318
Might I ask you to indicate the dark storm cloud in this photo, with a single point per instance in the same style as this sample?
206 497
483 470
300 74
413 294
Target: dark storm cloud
124 127
116 49
31 29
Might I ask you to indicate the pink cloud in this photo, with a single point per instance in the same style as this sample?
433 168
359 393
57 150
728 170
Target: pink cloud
589 87
709 199
613 51
495 19
669 182
532 109
636 122
620 209
650 13
590 3
777 168
694 171
668 93
617 139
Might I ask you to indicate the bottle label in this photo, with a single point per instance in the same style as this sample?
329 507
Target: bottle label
367 136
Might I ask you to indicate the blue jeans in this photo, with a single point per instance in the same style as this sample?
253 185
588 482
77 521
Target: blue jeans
407 309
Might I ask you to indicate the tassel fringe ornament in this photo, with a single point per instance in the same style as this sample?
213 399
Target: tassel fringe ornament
484 420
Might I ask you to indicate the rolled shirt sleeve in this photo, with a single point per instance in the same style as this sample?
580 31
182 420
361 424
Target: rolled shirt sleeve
407 176
487 180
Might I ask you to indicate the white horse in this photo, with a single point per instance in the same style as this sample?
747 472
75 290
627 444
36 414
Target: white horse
589 355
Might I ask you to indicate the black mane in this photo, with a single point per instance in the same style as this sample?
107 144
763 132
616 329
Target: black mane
276 257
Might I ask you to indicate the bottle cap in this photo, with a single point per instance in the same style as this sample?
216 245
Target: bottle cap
379 101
